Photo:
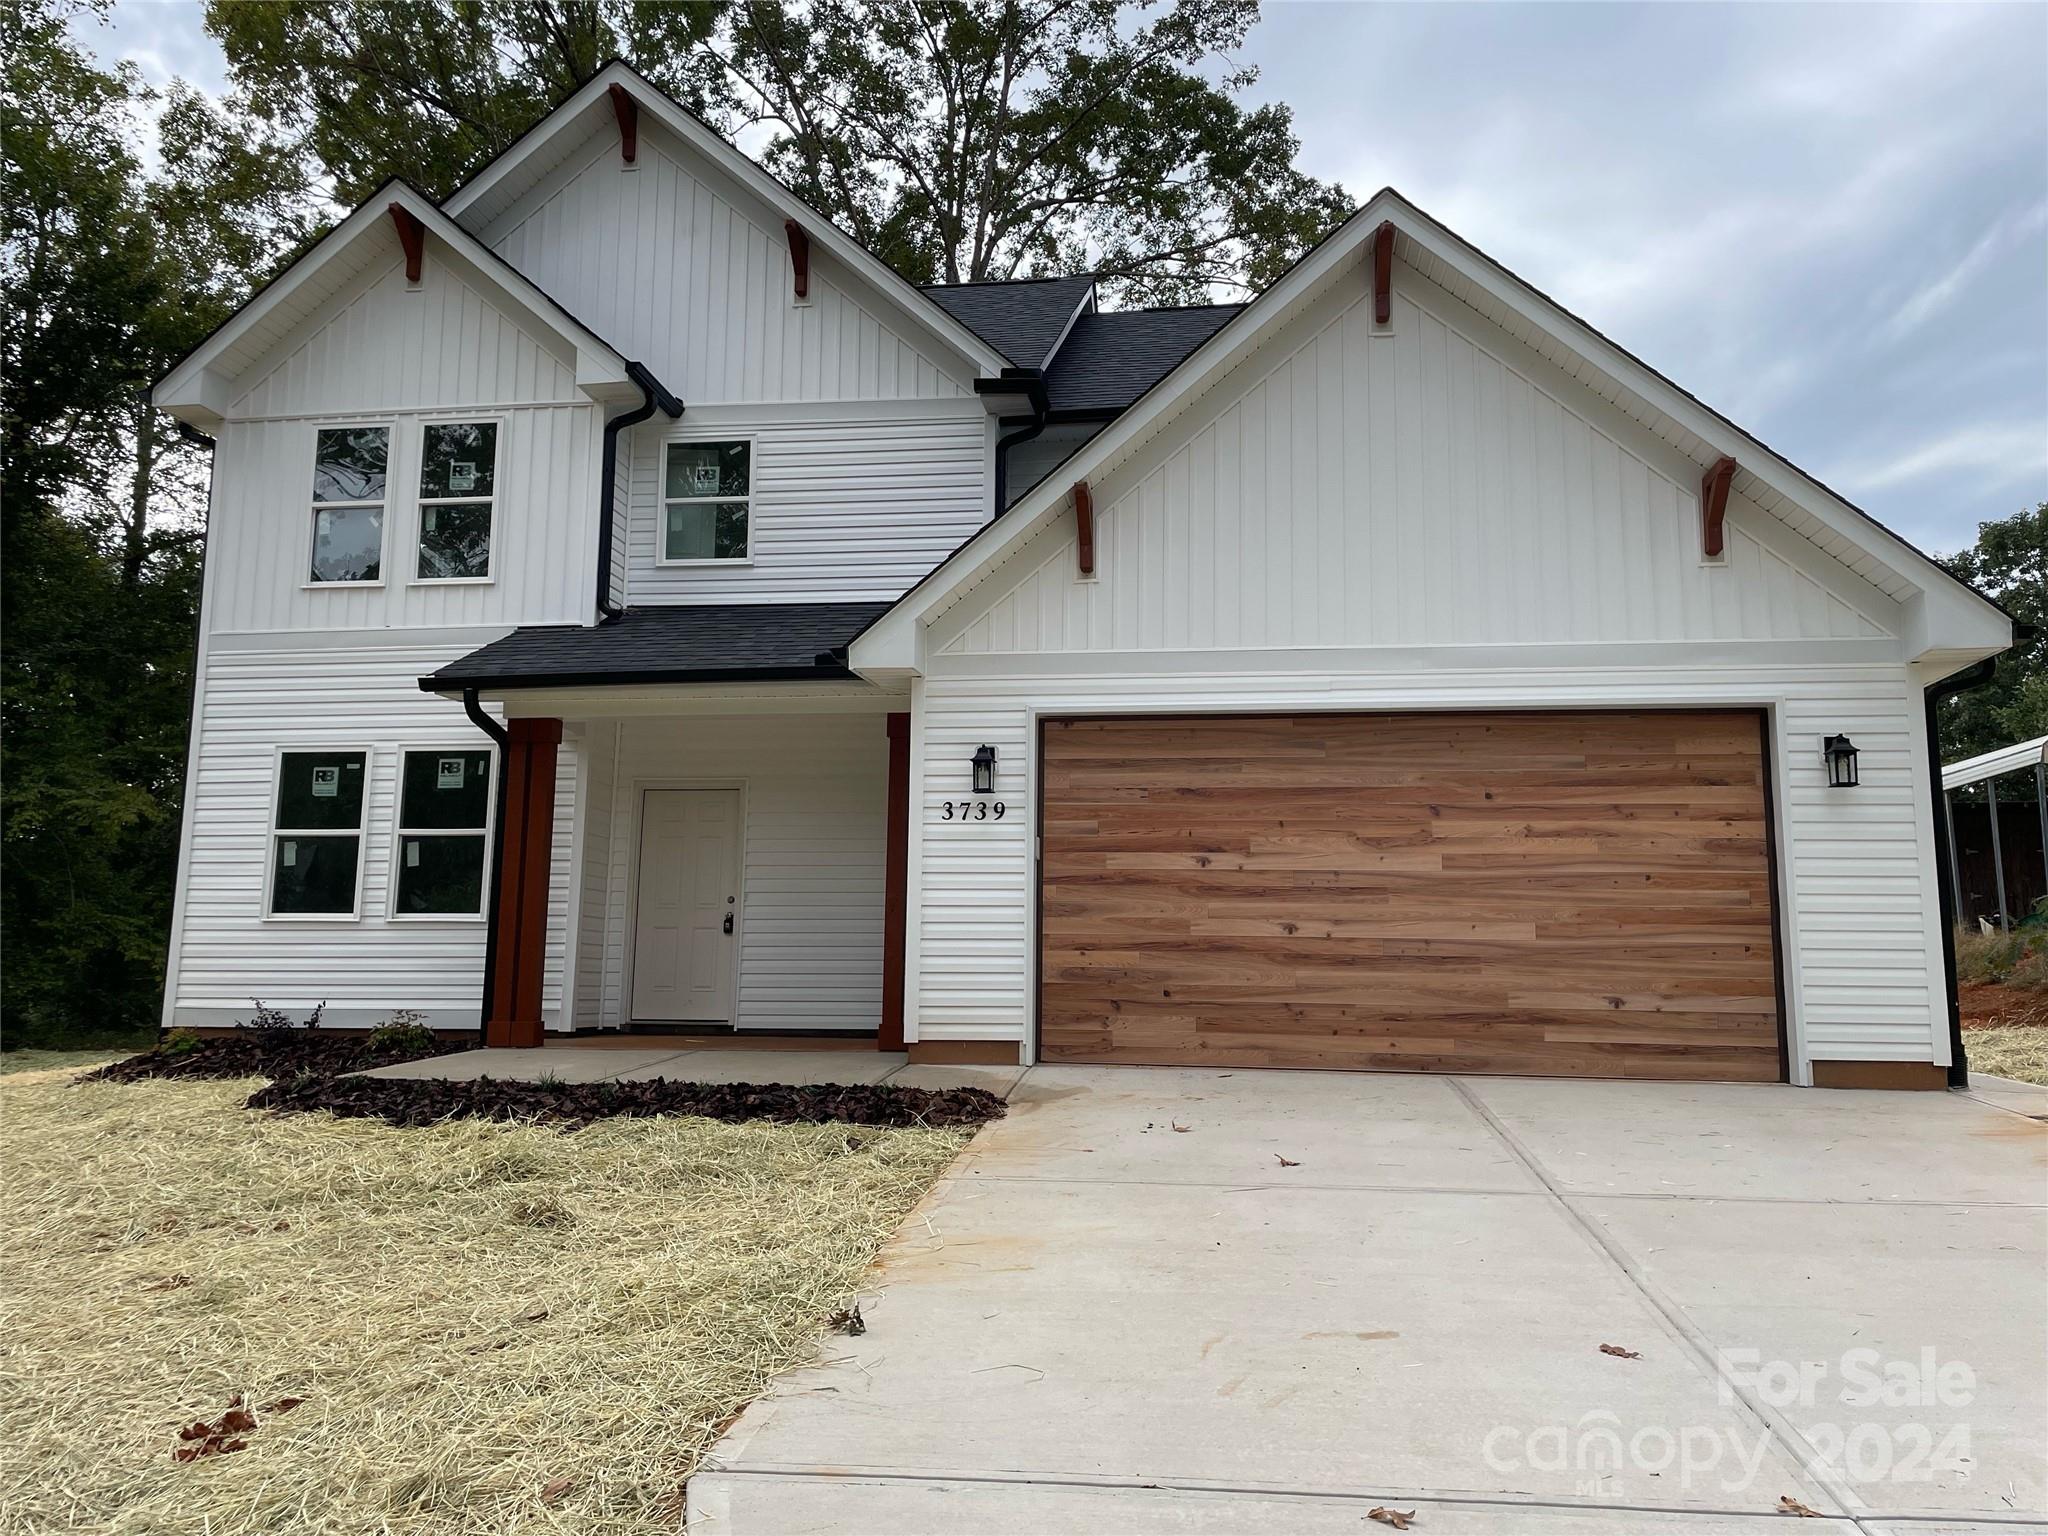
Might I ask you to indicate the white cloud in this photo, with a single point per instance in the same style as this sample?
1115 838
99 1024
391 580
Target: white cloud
1996 455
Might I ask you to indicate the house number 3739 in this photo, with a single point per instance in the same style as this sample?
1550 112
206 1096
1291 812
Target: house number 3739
971 810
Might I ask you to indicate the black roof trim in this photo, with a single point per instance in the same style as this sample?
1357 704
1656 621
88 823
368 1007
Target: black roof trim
710 643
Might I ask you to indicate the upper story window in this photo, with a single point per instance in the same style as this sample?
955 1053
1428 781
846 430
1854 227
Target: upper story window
349 465
316 833
458 488
707 492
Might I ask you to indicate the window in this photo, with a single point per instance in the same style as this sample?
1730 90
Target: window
458 483
316 841
348 503
444 809
707 493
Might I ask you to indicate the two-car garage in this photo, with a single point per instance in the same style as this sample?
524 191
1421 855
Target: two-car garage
1561 892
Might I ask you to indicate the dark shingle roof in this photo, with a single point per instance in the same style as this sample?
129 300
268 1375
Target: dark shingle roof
1112 358
733 642
1022 320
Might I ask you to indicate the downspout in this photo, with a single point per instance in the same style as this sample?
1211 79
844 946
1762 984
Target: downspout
1944 862
1034 389
652 395
503 738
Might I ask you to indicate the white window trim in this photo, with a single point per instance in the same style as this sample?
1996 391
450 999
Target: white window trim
663 501
421 503
398 835
314 508
272 832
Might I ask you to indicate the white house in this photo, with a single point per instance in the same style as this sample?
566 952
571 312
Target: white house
617 580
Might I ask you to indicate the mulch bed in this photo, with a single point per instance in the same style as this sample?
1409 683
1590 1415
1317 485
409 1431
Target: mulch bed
417 1102
277 1054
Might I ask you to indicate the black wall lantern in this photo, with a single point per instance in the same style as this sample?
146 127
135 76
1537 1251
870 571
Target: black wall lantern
1839 752
985 769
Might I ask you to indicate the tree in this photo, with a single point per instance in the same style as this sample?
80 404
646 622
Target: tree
2009 564
960 141
106 274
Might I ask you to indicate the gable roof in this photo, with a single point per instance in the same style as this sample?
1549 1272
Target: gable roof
1114 356
198 388
524 162
1945 614
1028 319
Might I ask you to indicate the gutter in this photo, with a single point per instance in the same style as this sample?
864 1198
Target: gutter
652 395
1031 382
503 738
1944 869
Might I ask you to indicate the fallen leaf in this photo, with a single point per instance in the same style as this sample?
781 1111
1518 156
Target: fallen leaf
552 1490
281 1405
1183 1129
1619 1353
848 1320
1399 1519
1287 1162
1787 1505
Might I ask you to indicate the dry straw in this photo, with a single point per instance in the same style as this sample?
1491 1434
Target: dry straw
496 1328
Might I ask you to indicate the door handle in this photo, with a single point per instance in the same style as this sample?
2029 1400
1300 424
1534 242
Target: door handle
728 922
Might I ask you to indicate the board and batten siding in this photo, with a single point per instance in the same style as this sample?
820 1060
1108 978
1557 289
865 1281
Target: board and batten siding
351 696
401 357
675 264
850 504
1424 486
1858 910
813 794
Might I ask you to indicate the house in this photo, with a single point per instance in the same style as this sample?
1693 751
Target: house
629 604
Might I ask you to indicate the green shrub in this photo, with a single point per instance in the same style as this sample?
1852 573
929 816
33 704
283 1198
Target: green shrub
180 1042
405 1030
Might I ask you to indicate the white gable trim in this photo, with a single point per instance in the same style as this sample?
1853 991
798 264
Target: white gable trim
198 390
1939 612
696 136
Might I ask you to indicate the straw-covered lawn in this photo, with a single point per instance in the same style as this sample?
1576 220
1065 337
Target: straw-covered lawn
493 1327
2016 1051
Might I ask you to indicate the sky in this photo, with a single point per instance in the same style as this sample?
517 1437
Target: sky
1829 222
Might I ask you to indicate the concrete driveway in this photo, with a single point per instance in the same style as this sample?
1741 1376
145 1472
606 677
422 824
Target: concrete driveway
1160 1300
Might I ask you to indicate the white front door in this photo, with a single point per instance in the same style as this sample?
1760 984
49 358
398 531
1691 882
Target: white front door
689 904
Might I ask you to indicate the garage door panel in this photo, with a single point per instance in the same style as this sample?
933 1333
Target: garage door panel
1571 893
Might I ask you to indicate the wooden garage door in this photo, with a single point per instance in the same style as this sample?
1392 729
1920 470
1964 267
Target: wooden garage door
1582 894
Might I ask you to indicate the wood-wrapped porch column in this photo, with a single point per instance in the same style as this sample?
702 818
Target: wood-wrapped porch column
895 885
521 908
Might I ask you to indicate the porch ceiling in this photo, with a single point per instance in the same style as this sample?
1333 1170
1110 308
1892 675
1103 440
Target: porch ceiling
725 643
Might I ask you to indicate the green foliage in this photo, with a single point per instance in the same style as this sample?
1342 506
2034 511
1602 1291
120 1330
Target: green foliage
959 141
180 1042
106 274
2010 564
406 1030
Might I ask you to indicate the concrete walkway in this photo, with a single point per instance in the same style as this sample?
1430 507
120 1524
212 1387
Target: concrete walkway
1159 1300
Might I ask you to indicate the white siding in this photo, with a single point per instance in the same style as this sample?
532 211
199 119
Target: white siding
1410 488
850 504
810 920
362 697
1859 910
439 345
543 534
678 266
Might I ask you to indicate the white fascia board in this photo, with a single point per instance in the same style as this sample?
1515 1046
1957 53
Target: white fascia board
197 390
1943 615
696 135
1958 616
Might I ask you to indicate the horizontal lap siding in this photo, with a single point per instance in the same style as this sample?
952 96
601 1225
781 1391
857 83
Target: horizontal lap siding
811 899
1860 920
356 698
1562 892
846 508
